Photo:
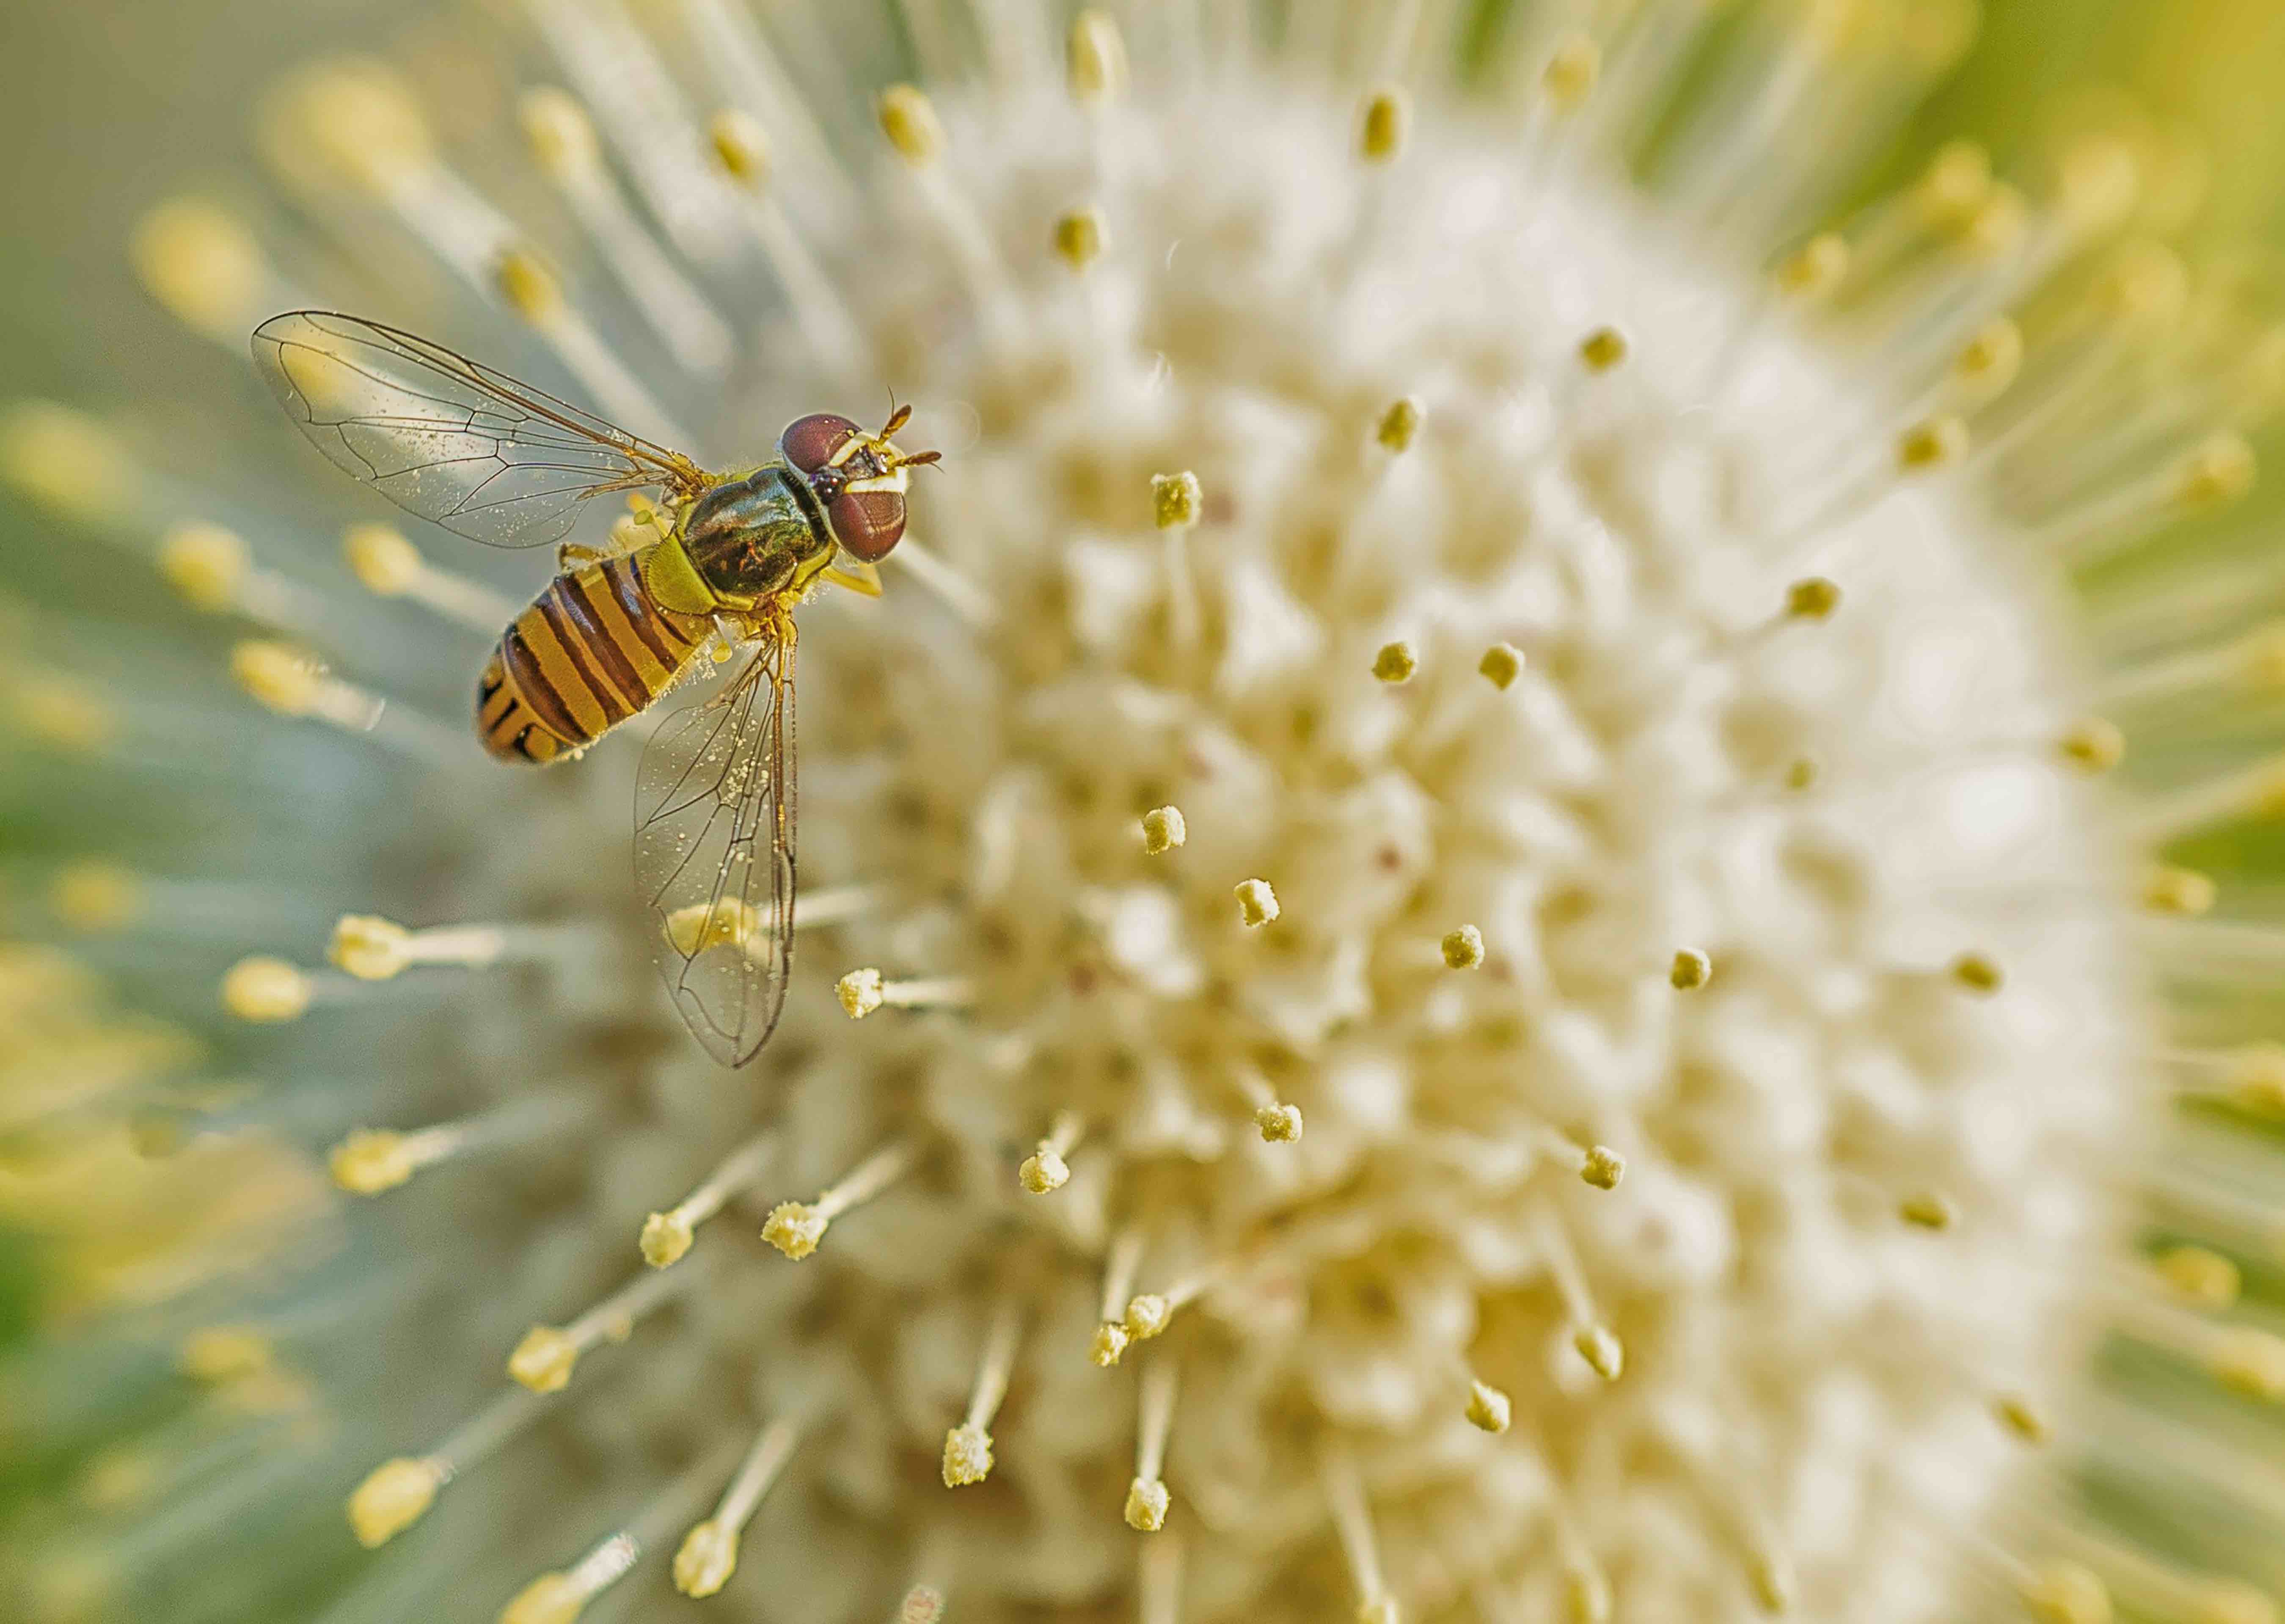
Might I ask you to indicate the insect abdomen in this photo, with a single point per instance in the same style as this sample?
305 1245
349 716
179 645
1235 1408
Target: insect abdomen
592 650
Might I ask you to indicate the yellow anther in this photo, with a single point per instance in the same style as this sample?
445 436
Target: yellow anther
666 1237
2206 1278
1998 226
369 947
743 148
1801 773
278 676
1395 662
1078 238
1043 1170
544 1359
861 993
2020 1416
1928 1209
1501 665
1488 1408
1991 359
381 559
1379 1610
1463 949
1812 598
1147 1314
205 562
1954 185
1815 269
371 1160
2149 284
908 119
727 922
1602 1351
117 1479
1571 72
1279 1122
1603 348
557 129
1937 444
1163 829
967 1455
2097 181
265 990
1176 499
1147 1501
706 1559
2092 744
1386 119
1109 1342
95 897
355 117
2220 471
2181 891
394 1495
1399 424
2256 1076
62 459
1690 970
219 1354
1603 1167
531 290
196 260
2065 1593
2251 1362
1770 1575
794 1228
1978 972
60 712
1586 1597
1257 904
1097 58
551 1599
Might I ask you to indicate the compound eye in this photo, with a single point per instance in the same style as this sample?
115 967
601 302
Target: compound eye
867 522
808 442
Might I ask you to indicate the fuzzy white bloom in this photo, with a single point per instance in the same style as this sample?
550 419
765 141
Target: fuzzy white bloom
1399 521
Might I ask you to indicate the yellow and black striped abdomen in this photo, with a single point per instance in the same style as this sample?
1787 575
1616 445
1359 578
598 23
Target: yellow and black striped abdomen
592 650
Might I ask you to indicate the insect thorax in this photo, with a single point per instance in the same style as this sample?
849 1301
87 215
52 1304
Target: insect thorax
754 537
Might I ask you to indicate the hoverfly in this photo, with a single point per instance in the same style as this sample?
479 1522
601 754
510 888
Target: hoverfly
725 559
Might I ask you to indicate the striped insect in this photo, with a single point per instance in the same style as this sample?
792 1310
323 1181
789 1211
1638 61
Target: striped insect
718 565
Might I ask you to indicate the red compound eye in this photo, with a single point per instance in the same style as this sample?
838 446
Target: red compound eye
867 522
808 442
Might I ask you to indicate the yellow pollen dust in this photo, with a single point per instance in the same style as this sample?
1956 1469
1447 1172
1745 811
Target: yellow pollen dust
1381 130
199 262
371 1160
1488 1408
1395 662
1928 1209
2220 472
95 897
1978 972
795 1229
1571 72
1400 424
909 121
2183 892
1176 499
742 149
1078 238
1279 1122
1147 1501
218 1354
369 947
1812 598
558 131
1815 270
1257 904
1463 949
1602 1351
1501 665
265 991
206 563
1164 830
1690 970
544 1359
861 993
2204 1278
384 562
551 1599
967 1455
1096 59
531 290
394 1495
1603 1167
1109 1342
728 921
1603 348
1043 1170
2092 744
1937 444
2065 1593
666 1237
278 676
706 1559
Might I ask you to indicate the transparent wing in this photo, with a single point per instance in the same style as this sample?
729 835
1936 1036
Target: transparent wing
714 854
448 438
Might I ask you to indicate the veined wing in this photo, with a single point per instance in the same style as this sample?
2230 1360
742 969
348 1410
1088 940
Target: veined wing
714 854
450 439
